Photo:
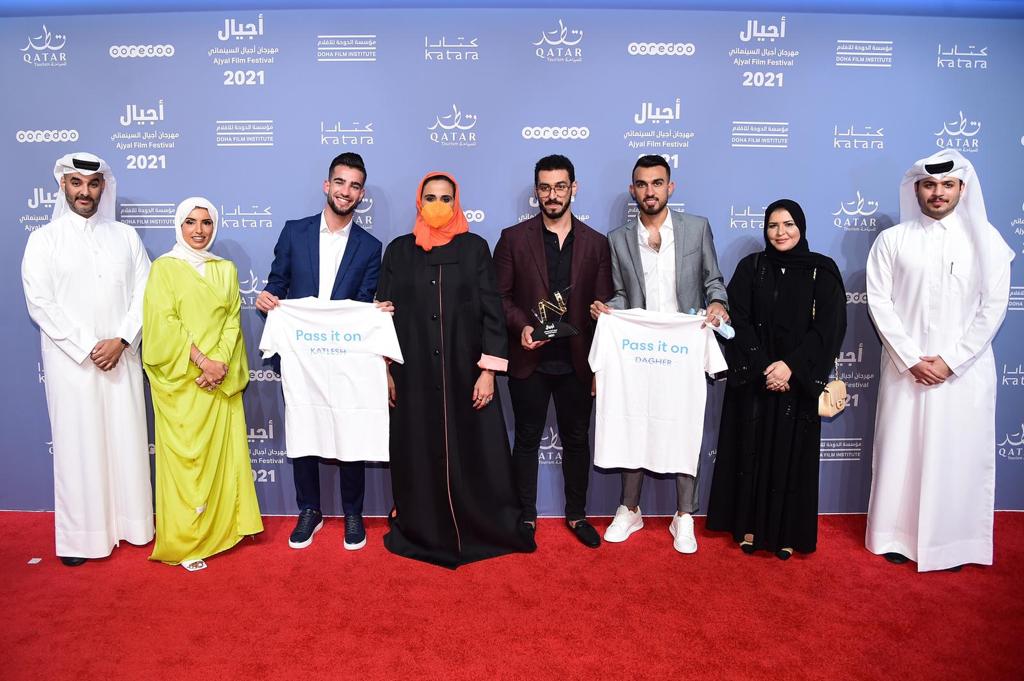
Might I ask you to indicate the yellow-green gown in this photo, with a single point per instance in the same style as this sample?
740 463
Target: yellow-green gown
205 497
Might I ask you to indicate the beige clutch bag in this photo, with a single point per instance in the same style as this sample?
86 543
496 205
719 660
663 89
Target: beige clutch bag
833 398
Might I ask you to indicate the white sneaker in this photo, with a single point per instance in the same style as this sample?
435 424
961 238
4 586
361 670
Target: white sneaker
624 523
681 528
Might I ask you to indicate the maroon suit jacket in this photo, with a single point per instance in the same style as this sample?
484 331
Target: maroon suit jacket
523 281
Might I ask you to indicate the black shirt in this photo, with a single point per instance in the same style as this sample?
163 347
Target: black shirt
555 357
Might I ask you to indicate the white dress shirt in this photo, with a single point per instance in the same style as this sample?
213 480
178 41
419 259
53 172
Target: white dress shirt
659 267
332 250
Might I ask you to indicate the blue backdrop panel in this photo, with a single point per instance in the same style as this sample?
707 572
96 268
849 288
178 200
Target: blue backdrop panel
248 107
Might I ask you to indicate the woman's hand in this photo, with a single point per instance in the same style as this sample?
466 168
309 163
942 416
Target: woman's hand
392 393
483 390
213 374
777 376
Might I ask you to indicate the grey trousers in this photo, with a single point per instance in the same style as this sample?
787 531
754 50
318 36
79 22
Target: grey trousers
686 490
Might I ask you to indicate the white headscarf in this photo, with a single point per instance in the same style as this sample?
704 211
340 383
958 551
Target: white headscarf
182 250
992 248
86 164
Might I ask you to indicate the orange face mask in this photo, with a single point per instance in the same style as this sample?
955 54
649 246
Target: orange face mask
437 213
437 223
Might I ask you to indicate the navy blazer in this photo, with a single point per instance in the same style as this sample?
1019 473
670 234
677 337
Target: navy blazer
295 272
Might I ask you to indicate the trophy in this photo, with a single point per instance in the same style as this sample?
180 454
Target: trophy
549 314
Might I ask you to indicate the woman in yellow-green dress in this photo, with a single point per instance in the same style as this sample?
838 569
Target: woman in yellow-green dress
194 355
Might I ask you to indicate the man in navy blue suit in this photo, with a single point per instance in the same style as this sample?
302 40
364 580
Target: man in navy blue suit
330 257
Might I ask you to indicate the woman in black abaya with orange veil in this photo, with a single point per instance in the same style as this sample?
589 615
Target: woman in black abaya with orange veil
451 468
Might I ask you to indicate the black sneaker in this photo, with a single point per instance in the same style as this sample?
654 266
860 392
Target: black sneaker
310 522
355 533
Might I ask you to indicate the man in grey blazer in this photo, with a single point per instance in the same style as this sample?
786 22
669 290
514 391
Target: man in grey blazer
664 261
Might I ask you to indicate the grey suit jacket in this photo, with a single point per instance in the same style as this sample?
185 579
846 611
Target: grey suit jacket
698 279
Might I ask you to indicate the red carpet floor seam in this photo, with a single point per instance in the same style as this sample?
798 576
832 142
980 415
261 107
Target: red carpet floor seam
636 610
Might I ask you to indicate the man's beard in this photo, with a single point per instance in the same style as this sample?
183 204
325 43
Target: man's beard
650 211
942 212
560 213
341 213
85 213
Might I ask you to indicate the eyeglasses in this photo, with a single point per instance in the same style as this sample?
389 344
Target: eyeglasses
545 189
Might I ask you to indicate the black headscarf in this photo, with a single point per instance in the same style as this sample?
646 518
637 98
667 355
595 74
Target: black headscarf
782 304
800 256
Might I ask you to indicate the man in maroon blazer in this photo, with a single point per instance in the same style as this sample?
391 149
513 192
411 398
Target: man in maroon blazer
551 253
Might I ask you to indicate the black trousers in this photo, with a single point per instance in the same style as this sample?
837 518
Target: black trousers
306 470
573 404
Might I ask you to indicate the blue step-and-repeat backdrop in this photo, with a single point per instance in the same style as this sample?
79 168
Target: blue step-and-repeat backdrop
248 107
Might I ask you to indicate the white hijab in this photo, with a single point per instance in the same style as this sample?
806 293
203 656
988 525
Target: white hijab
86 164
992 249
182 250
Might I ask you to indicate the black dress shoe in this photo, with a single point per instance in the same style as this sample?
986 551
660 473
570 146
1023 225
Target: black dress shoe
784 554
747 547
586 533
955 568
71 561
896 558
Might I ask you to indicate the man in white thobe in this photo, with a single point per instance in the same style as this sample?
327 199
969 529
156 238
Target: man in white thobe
84 276
938 286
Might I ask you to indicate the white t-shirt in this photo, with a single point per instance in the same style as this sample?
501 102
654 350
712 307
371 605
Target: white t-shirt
334 376
651 389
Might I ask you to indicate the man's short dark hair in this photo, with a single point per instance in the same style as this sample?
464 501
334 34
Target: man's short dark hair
652 161
554 162
349 159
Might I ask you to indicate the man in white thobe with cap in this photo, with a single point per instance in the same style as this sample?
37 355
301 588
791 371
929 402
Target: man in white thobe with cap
938 286
84 276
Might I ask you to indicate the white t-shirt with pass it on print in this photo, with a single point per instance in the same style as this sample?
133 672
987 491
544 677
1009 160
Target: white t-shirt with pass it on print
651 389
334 376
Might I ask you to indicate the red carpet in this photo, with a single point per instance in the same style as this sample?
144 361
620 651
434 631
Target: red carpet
626 611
